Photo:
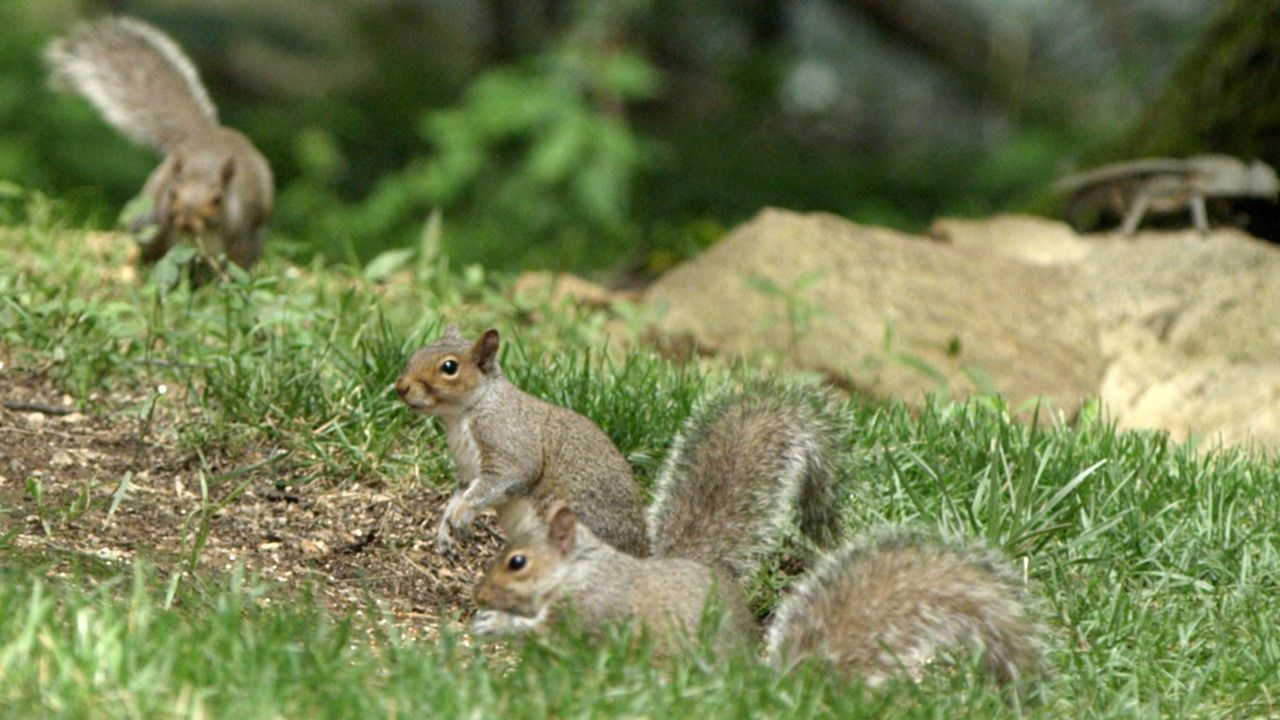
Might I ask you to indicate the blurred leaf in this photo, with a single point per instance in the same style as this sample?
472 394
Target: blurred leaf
630 75
386 263
319 157
134 212
169 270
429 254
553 157
764 285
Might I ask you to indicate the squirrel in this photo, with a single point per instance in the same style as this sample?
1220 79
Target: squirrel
545 564
508 445
213 184
871 608
742 463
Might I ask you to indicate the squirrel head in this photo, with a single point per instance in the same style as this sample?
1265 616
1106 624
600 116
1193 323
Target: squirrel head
197 199
526 575
444 376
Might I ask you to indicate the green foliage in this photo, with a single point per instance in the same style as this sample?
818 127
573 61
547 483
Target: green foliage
594 137
53 140
241 650
530 168
798 311
640 401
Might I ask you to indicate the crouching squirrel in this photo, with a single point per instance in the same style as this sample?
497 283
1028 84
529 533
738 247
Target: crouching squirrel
870 608
213 185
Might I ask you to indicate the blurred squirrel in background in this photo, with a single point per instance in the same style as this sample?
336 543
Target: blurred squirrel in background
213 185
738 469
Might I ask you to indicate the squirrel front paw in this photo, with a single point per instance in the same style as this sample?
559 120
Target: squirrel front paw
495 623
489 623
444 539
454 522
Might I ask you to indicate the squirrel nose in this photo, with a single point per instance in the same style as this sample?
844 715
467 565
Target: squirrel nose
402 387
189 221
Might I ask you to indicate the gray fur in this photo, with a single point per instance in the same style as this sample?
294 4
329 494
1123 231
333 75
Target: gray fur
509 445
893 601
530 447
604 586
137 77
736 470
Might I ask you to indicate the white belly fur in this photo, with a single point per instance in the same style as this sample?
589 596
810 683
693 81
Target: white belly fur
466 453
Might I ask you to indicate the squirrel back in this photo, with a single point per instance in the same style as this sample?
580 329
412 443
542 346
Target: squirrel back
892 602
741 465
137 77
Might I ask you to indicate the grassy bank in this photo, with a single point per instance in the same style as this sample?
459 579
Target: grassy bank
1157 564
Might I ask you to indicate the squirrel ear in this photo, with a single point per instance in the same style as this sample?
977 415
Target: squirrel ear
562 525
451 332
175 165
228 171
485 351
521 521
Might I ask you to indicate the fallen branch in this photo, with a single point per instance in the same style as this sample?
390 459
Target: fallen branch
22 406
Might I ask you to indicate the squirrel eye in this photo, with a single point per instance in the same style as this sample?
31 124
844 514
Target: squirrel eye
515 562
449 367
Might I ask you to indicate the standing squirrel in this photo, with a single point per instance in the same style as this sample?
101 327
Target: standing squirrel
213 184
741 465
508 445
871 608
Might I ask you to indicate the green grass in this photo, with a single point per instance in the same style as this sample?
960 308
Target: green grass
118 651
1157 564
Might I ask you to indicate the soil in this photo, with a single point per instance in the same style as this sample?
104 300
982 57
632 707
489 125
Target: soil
356 546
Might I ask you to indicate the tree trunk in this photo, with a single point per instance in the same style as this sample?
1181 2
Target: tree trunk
965 44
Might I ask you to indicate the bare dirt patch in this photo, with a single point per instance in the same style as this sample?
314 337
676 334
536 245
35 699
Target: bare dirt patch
62 470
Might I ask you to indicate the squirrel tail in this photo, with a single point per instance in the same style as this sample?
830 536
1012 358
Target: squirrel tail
892 602
137 77
739 466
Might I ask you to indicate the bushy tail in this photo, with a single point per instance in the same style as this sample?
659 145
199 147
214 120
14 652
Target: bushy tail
738 469
890 603
137 77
